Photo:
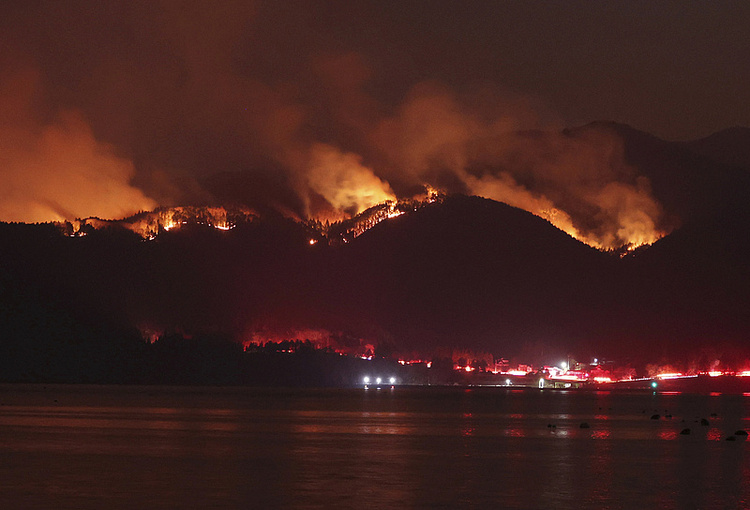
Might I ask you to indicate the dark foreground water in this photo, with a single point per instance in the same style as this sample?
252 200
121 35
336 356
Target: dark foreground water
134 447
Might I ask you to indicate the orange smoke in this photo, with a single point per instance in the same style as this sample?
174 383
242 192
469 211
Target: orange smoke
204 97
344 182
504 189
57 170
578 180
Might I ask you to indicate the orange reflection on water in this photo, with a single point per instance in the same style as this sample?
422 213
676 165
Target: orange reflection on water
467 429
714 434
601 434
668 434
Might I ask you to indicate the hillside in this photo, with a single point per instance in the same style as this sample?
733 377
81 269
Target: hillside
453 272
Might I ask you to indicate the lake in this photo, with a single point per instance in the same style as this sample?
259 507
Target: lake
94 447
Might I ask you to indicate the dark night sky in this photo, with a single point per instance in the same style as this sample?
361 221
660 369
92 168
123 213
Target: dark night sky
321 108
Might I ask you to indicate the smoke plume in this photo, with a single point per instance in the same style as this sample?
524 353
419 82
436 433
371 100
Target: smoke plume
145 103
57 170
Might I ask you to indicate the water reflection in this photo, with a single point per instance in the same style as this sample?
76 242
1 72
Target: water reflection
118 448
668 435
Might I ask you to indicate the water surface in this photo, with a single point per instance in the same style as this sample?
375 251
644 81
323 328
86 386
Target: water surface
158 447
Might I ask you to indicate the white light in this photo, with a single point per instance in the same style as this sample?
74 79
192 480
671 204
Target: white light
367 380
564 365
392 380
378 380
541 383
507 382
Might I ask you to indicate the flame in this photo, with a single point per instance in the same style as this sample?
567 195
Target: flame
149 224
669 375
503 188
634 212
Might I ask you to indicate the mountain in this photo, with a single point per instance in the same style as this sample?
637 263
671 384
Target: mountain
687 182
455 272
730 147
470 271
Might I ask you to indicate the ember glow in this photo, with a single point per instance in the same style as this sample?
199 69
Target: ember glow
149 224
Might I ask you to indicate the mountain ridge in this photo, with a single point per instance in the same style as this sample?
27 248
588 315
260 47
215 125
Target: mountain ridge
460 271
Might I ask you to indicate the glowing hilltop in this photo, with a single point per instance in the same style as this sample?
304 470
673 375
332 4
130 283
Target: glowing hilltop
149 224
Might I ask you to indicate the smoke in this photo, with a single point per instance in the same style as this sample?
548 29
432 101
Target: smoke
57 170
578 180
164 103
503 188
343 181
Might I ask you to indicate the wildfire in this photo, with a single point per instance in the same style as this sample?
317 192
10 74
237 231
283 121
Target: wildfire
345 231
149 224
670 375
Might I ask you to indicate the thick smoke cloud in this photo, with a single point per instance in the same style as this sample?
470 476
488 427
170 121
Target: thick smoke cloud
342 180
579 180
146 103
56 169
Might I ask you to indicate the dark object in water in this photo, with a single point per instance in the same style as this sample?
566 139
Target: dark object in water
704 422
585 425
740 433
685 432
655 416
731 438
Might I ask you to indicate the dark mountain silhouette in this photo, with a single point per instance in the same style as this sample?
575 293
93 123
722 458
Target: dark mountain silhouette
730 147
463 272
688 183
475 272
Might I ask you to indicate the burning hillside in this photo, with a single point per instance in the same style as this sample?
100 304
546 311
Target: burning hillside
346 230
149 224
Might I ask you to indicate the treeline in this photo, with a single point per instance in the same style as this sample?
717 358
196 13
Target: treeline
81 356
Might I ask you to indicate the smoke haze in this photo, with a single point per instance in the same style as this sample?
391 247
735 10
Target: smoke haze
141 103
57 170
